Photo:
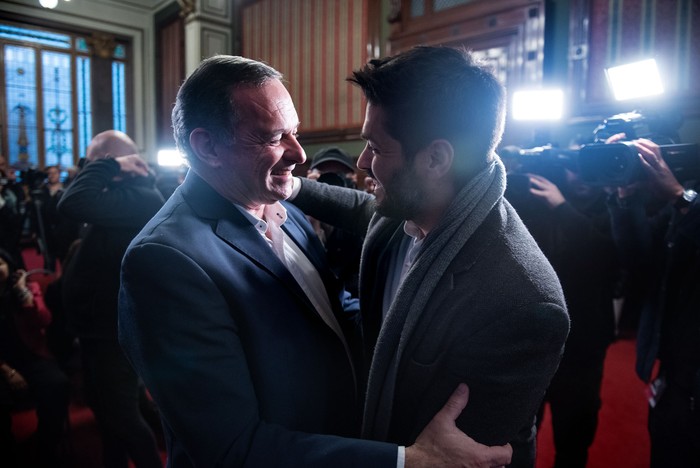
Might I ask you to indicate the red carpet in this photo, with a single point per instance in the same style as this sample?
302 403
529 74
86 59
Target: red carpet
622 440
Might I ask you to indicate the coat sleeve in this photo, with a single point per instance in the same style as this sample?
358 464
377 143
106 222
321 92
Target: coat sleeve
348 209
176 330
93 198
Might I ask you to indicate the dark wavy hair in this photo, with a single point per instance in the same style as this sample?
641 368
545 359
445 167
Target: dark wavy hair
430 93
205 99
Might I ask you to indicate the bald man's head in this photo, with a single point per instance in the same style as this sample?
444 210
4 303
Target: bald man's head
110 144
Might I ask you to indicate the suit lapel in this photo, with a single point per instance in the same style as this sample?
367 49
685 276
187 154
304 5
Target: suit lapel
235 229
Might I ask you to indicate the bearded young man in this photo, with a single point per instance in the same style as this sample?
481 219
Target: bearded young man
452 286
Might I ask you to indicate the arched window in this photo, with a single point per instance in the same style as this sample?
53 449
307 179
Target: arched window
54 90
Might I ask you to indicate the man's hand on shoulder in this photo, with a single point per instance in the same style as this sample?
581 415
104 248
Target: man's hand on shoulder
442 444
132 165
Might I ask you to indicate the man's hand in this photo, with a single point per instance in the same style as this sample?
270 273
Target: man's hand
544 190
442 444
660 176
132 165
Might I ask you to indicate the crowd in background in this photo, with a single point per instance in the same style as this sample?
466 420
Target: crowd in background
603 243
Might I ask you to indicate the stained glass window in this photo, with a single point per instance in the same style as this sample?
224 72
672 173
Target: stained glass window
48 79
440 5
118 96
81 44
58 111
21 89
60 41
120 51
84 104
417 8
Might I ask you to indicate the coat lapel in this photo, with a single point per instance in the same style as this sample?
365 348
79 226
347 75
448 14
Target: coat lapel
232 226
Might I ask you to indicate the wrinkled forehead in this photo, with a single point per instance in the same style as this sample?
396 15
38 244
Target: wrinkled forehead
270 101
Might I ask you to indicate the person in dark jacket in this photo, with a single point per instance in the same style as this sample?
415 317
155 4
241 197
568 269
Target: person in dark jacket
570 222
115 195
453 288
666 246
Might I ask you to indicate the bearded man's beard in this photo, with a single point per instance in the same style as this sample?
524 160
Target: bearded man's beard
403 196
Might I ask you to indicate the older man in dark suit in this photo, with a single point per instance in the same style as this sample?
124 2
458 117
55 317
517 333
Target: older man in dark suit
229 312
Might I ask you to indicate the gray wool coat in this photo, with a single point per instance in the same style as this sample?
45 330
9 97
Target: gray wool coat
496 321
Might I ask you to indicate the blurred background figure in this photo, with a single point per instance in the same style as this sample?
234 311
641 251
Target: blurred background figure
334 166
27 368
115 195
11 212
54 232
664 242
570 223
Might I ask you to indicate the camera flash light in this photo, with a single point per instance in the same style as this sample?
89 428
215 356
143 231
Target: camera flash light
538 104
635 80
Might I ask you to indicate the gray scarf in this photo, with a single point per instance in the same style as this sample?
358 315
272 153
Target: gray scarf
464 215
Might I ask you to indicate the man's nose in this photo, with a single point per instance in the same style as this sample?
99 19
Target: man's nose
294 151
364 161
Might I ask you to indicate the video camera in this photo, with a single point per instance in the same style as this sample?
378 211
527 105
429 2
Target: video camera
614 164
617 164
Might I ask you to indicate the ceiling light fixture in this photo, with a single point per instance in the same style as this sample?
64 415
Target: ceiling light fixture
51 4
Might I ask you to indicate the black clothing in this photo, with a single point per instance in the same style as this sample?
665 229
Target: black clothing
575 237
115 211
55 231
667 247
11 219
48 388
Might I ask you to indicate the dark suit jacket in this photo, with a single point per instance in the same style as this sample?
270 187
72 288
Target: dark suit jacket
496 321
116 212
243 369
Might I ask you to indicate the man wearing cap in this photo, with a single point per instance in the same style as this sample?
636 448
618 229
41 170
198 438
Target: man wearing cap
333 166
335 162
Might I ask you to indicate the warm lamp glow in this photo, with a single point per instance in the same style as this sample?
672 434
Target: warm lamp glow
538 104
635 80
171 158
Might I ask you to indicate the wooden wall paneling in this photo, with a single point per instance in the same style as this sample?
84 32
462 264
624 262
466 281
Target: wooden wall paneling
316 44
170 75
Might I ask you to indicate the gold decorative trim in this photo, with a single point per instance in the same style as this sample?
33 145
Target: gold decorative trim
187 7
102 45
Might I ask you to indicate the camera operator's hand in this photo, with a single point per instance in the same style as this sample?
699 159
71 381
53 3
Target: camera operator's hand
661 178
548 192
132 165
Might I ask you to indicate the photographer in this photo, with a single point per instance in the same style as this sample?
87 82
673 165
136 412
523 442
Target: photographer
333 166
11 212
667 246
56 232
570 223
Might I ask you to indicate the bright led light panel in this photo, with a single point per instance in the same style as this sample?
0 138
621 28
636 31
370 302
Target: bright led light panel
540 104
635 80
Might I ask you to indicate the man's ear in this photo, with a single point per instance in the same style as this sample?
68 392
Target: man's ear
437 159
204 147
